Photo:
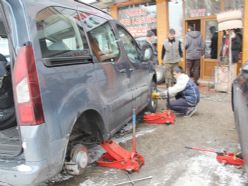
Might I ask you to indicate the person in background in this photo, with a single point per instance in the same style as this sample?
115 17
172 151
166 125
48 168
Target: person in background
171 56
151 40
186 92
236 47
214 42
194 50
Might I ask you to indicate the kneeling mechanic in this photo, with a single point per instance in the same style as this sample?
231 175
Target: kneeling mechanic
185 91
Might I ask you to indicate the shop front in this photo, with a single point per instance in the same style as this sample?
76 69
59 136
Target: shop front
139 16
202 15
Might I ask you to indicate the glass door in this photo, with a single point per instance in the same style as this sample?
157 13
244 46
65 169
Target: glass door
212 42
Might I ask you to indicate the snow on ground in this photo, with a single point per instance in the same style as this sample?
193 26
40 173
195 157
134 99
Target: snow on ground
203 170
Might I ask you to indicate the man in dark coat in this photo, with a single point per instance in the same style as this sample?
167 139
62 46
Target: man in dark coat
194 50
214 42
236 47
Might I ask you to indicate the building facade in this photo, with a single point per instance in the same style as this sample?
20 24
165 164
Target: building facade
142 15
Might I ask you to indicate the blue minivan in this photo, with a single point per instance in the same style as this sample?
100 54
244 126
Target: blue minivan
71 76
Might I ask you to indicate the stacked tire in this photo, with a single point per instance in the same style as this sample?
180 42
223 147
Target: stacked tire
7 109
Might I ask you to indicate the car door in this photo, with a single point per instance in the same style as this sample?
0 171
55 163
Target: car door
112 70
141 70
240 108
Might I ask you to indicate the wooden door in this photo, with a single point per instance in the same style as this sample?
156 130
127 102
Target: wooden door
211 38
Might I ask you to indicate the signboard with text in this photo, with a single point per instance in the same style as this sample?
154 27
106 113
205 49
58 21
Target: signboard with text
138 19
197 12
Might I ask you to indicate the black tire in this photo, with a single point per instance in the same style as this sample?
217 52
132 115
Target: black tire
7 118
152 103
7 109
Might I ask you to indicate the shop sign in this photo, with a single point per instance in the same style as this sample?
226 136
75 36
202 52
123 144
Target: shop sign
197 12
137 20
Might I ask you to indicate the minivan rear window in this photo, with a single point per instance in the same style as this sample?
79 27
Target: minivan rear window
60 33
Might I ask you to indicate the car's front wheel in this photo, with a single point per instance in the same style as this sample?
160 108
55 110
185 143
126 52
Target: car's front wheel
152 103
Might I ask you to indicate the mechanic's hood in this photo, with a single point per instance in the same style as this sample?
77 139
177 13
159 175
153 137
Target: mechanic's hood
194 34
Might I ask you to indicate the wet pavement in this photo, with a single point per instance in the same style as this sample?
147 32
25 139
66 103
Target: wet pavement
166 159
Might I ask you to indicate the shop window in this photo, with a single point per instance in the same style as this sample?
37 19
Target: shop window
234 4
138 19
196 8
59 33
129 45
211 40
103 43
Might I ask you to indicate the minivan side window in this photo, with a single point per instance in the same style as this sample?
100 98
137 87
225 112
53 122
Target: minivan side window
103 43
129 43
60 34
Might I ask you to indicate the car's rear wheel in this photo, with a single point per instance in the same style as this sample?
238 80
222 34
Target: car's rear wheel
78 160
152 103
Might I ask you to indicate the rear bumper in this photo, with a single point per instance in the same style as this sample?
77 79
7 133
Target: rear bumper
41 159
20 174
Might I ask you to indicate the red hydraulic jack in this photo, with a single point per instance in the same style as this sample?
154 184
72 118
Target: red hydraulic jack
224 157
166 117
118 157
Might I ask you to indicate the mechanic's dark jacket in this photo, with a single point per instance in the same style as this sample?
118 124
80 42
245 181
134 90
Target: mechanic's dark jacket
191 93
187 88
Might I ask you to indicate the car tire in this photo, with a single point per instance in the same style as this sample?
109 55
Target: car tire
152 103
7 118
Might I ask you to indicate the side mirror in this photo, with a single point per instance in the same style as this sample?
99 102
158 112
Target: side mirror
147 53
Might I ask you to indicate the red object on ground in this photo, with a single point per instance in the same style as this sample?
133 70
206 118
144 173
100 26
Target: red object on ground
230 158
166 117
223 157
120 158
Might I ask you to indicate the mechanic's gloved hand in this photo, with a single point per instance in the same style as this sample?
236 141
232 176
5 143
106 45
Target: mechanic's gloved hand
160 94
155 95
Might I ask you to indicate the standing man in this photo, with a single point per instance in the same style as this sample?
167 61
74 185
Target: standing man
214 42
151 40
186 92
171 55
194 50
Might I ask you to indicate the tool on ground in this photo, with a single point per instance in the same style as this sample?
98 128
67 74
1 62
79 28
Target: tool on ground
224 157
120 158
166 117
133 181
